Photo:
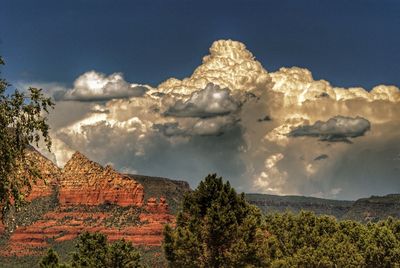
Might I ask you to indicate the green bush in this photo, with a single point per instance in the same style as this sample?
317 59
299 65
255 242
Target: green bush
93 250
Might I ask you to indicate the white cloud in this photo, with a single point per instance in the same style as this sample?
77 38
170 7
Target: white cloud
271 180
95 86
208 102
209 122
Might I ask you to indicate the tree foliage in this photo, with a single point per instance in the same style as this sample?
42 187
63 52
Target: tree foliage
51 260
307 240
216 228
94 251
123 254
22 122
91 251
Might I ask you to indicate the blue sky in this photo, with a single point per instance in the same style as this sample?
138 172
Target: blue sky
349 43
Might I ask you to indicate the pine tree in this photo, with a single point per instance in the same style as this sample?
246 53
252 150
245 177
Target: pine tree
123 254
51 260
216 228
93 250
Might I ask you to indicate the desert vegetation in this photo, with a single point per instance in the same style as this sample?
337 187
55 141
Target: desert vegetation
216 227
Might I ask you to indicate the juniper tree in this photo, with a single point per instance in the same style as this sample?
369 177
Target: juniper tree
51 260
93 250
216 227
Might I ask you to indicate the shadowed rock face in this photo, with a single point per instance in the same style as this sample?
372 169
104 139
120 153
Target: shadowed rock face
84 182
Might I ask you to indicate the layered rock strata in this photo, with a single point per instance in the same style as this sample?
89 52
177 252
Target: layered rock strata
84 182
49 175
90 198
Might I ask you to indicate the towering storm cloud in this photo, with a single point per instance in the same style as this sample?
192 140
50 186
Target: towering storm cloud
281 132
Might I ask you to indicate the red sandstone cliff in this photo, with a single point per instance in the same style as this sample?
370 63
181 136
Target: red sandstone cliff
49 172
91 198
88 183
49 175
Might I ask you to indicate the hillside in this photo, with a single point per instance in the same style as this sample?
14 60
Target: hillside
374 208
172 190
85 196
275 203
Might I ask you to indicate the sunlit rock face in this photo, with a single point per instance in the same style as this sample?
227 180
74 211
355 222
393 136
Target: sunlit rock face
88 183
233 117
160 207
48 175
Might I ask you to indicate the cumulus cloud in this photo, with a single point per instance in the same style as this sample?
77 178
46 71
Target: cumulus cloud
271 180
95 86
233 117
205 127
338 128
208 102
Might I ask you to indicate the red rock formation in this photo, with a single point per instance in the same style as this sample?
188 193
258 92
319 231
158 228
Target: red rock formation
163 206
151 205
86 182
83 182
2 229
154 207
49 175
63 225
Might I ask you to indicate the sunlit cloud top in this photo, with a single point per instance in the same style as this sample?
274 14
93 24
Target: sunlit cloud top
273 132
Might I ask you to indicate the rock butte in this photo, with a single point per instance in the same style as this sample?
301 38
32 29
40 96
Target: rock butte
82 187
84 182
50 175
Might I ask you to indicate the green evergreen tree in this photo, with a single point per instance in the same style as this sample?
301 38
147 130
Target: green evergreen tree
123 254
216 228
93 250
307 240
50 260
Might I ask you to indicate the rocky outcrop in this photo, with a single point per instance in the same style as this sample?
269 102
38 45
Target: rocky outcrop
86 182
84 196
48 172
137 226
157 207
